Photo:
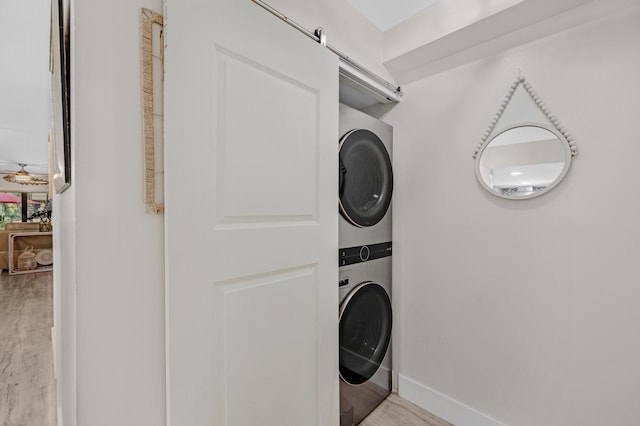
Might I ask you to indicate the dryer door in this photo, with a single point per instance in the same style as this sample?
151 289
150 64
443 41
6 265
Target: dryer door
366 178
365 332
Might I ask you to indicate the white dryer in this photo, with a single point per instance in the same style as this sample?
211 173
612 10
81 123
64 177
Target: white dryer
366 179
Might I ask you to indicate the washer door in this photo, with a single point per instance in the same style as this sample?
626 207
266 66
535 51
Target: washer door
366 178
365 332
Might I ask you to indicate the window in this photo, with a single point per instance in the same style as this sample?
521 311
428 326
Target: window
22 206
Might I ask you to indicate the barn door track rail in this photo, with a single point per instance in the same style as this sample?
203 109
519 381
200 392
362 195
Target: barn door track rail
390 91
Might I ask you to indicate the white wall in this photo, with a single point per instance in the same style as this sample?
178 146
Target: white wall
524 310
109 253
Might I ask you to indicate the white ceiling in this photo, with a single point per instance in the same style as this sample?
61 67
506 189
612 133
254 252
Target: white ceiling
386 14
24 84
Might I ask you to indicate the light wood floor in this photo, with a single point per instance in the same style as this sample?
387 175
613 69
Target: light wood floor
395 411
27 385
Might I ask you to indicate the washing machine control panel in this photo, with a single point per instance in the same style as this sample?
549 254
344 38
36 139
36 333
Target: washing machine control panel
358 254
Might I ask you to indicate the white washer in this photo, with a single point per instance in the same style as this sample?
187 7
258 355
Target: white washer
366 179
365 338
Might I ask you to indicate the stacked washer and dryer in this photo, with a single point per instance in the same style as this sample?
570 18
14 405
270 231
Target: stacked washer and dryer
366 186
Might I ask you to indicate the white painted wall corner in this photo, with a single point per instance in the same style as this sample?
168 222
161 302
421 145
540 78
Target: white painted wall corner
442 405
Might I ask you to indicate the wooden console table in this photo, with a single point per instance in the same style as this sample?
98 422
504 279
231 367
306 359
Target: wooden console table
16 235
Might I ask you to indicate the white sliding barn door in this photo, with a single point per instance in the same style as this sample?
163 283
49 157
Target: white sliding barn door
251 219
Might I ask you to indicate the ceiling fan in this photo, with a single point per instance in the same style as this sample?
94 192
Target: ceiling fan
24 178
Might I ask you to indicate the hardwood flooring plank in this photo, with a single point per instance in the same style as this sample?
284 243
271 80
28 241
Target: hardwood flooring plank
27 384
396 411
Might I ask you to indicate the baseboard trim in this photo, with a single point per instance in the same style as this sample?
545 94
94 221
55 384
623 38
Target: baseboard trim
441 405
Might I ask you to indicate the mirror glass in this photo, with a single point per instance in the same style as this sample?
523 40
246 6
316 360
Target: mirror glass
523 161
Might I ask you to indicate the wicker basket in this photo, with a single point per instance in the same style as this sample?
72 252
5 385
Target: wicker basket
27 260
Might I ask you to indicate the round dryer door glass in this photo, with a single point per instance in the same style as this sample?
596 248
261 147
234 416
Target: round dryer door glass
366 178
365 332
